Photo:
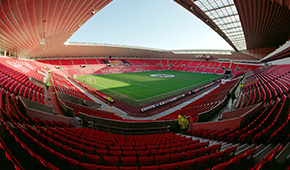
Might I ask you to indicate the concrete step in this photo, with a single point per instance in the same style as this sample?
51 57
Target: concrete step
261 153
227 145
244 148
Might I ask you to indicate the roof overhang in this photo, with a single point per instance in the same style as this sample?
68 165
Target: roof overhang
245 24
29 27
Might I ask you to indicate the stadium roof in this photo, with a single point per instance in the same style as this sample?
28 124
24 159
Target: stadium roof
245 24
37 28
27 27
225 15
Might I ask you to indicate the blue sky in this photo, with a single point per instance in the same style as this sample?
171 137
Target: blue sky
161 24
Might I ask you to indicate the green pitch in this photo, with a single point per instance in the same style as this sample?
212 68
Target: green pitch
140 88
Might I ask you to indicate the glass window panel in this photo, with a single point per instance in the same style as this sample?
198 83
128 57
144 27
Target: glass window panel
224 14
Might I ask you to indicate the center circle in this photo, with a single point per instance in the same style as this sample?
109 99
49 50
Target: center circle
162 75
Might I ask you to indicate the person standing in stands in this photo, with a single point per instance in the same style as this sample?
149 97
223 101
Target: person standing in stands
192 120
47 85
184 125
180 117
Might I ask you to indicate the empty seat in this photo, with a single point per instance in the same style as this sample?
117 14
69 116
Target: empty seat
171 166
161 159
184 165
146 160
129 161
157 152
154 167
129 153
143 153
108 167
221 166
95 159
116 153
190 154
176 157
89 166
111 160
128 168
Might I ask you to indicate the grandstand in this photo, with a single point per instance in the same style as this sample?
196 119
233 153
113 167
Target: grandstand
51 120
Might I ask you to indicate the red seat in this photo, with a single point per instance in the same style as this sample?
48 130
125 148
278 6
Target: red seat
89 166
129 161
95 159
146 160
78 154
115 148
164 146
176 157
154 167
111 160
171 166
192 147
72 162
138 148
116 153
129 153
161 159
221 166
184 165
157 152
168 151
127 148
190 154
214 148
201 161
217 155
203 144
102 152
202 151
128 168
249 153
181 149
152 147
143 153
108 167
236 159
89 150
229 151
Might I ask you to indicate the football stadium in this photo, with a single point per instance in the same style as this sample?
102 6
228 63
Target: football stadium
97 106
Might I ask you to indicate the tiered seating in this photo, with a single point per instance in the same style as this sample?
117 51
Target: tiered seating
71 72
79 62
205 64
164 62
27 67
63 85
85 71
84 148
205 103
224 65
134 62
264 84
113 70
93 112
53 62
66 63
19 84
92 62
100 70
100 66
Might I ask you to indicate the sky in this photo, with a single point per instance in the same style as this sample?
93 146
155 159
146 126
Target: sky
161 24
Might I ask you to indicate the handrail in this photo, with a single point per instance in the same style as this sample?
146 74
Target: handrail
128 131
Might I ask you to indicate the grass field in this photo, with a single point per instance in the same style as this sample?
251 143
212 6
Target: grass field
140 88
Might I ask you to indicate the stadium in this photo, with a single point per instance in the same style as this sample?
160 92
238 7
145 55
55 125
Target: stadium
94 106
